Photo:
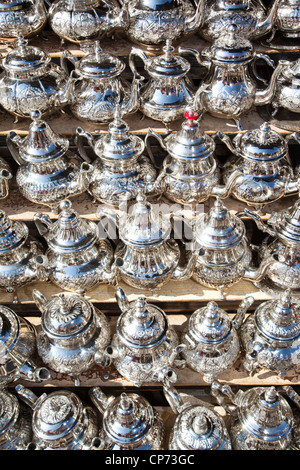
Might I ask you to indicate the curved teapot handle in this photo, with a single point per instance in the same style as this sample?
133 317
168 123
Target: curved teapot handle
80 135
135 52
159 138
65 58
13 142
267 59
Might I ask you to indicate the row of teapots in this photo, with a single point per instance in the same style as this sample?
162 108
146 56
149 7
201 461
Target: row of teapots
95 86
258 172
148 22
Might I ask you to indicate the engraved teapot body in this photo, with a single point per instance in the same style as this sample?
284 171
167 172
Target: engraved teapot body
287 92
287 21
22 17
15 427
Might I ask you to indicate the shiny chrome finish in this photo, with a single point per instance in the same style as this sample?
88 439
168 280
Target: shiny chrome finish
5 177
18 350
73 335
287 92
48 171
21 18
287 21
60 420
15 423
129 422
86 20
78 258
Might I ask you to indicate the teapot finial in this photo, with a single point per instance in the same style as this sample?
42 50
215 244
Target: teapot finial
125 402
211 313
21 41
35 115
65 205
168 49
271 395
200 425
63 304
98 50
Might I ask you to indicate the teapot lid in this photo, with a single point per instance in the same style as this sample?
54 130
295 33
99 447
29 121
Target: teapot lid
42 143
219 229
96 64
9 4
199 428
66 315
142 325
265 414
118 144
9 330
292 70
231 47
24 58
168 64
190 142
56 415
263 144
143 226
13 233
71 233
210 324
128 418
157 5
288 226
279 319
9 410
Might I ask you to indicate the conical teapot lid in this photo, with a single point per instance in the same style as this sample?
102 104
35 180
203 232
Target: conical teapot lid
292 71
13 234
157 5
118 145
71 233
265 414
142 325
9 330
24 58
168 64
97 64
56 415
199 428
279 319
144 226
219 229
263 144
128 418
210 324
231 47
288 227
9 410
42 143
190 142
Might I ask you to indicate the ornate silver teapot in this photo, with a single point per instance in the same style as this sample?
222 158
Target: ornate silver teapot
211 339
97 87
250 16
60 420
129 422
15 423
287 92
287 21
271 337
282 249
32 81
5 176
121 169
22 257
229 91
152 22
190 171
73 334
78 258
196 427
145 345
84 20
21 17
18 349
48 171
168 91
261 419
261 165
146 256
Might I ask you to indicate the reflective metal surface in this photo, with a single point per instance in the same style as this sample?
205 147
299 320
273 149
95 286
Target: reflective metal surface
287 93
21 18
15 423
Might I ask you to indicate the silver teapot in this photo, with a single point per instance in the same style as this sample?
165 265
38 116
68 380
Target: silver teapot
271 337
146 257
232 56
211 339
5 176
86 20
15 424
251 17
129 422
73 334
48 171
190 171
282 249
22 257
262 419
287 92
196 427
145 346
121 169
78 258
97 87
261 165
60 420
18 350
152 22
287 22
168 91
31 81
21 17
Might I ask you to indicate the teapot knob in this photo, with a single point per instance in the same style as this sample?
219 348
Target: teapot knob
35 115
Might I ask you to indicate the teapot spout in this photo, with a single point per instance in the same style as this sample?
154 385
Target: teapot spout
122 19
39 299
29 370
265 96
260 223
265 25
174 399
83 178
223 191
196 20
242 309
182 273
257 274
99 399
132 105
